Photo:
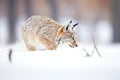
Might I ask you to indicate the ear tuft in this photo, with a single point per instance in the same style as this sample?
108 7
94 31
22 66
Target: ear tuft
70 21
76 24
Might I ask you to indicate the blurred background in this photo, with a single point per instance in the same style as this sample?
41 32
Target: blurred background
99 17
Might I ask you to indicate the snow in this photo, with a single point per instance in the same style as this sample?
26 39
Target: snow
62 64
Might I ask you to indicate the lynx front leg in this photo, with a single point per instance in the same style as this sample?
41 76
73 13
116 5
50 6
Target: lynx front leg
30 47
48 44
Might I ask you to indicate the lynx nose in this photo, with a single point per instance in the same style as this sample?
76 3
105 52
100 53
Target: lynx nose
76 45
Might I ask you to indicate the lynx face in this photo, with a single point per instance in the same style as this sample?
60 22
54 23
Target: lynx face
67 35
69 38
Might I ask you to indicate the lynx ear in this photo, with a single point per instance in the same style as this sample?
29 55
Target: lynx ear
74 26
67 27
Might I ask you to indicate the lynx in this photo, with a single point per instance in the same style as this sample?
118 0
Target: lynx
40 32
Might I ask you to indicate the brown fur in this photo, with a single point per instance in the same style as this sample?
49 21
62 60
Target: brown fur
41 30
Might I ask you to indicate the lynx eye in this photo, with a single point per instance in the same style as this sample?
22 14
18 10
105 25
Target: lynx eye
58 41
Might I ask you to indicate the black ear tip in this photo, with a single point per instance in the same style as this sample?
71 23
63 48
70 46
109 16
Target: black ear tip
70 21
76 24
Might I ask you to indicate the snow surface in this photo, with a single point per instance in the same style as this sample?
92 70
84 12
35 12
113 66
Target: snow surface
62 64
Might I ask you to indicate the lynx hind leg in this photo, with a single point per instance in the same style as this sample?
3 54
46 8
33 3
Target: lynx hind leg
48 44
29 46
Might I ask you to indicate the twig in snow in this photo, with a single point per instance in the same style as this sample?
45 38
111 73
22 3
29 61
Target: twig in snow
10 55
95 47
87 54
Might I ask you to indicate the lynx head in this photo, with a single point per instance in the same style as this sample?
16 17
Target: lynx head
66 35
